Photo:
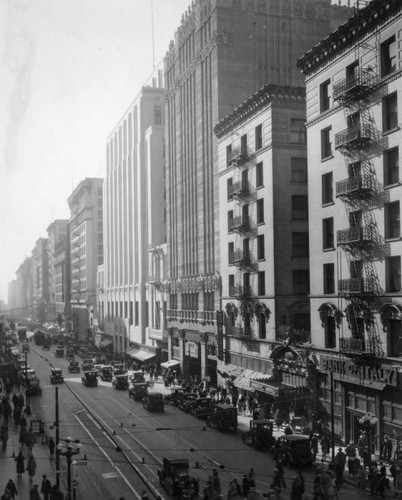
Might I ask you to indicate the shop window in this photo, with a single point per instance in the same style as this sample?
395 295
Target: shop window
259 175
324 96
299 207
391 166
388 56
258 137
300 244
390 112
328 233
327 189
392 220
326 145
393 274
329 278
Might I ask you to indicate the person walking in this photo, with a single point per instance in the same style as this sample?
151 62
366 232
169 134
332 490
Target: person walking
324 447
51 445
30 440
361 479
46 487
297 487
31 467
340 462
34 493
12 489
4 437
20 464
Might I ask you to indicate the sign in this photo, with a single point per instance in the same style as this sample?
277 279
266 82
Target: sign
268 389
377 376
192 349
156 334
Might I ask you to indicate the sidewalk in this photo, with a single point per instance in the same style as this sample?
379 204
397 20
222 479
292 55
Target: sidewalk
40 453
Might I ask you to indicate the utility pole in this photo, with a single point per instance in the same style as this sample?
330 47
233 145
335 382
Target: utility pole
56 424
332 415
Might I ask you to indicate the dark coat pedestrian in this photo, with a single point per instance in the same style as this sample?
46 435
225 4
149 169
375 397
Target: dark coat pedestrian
297 487
10 486
34 493
245 486
51 445
31 467
387 449
4 437
20 464
46 487
30 440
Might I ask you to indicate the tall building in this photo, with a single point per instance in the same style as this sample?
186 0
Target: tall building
354 91
86 253
263 226
222 53
134 220
24 277
12 305
40 280
58 236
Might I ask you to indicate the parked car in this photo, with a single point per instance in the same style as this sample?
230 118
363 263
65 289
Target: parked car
74 367
98 368
59 353
120 381
295 450
175 473
175 394
138 391
260 434
119 369
56 376
223 417
106 373
185 400
90 379
153 401
201 407
33 388
137 376
87 365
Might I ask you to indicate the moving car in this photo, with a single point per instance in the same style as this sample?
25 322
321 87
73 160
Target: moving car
89 379
295 450
201 407
33 388
56 376
223 417
106 373
137 376
120 381
260 435
59 353
74 367
87 365
138 391
174 477
153 401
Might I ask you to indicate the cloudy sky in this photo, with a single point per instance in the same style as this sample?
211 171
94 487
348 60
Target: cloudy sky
68 71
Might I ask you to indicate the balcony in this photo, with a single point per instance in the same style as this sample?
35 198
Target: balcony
238 157
240 258
240 224
239 190
358 187
354 138
356 346
357 286
356 237
355 87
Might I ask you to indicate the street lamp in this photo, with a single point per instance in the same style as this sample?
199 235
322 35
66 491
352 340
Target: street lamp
69 450
368 422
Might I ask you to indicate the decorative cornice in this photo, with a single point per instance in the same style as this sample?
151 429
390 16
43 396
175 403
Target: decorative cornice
348 34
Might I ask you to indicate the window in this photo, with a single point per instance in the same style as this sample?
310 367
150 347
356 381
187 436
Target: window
262 327
298 131
231 282
301 282
260 211
351 74
324 96
390 112
299 207
326 145
258 137
327 190
330 332
393 274
388 52
230 252
230 220
243 145
260 247
394 338
298 167
228 154
230 189
392 220
246 283
261 283
158 114
329 278
300 244
391 166
259 175
328 233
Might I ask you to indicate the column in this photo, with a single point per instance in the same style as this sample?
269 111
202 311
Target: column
170 343
182 346
203 354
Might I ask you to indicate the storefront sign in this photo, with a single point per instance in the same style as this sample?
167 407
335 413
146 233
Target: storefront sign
156 334
377 376
268 389
192 349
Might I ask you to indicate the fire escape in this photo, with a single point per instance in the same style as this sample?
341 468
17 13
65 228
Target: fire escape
244 228
361 194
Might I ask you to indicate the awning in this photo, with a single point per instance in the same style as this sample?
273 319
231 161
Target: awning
170 364
140 354
243 380
105 342
230 370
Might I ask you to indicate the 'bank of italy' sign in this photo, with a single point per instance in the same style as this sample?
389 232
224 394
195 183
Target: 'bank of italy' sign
376 376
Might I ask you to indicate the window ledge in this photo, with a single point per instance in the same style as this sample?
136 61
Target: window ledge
327 158
328 204
329 249
395 238
259 187
392 185
390 131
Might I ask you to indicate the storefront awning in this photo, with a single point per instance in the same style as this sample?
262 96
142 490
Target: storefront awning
230 370
140 354
105 342
243 380
170 364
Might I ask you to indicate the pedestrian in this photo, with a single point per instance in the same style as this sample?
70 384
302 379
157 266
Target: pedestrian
23 420
281 472
314 445
216 483
4 437
20 464
30 440
23 435
361 479
387 449
340 462
324 447
297 487
34 493
46 487
31 467
51 445
366 457
245 486
11 488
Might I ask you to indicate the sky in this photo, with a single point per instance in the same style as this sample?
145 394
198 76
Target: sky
69 69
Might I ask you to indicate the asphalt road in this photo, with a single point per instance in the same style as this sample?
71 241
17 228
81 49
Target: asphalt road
125 444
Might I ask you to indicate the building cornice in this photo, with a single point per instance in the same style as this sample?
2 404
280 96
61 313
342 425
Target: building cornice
363 22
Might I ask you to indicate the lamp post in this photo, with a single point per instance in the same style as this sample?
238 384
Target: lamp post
69 449
368 422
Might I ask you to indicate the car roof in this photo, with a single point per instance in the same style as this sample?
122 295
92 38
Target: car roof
295 437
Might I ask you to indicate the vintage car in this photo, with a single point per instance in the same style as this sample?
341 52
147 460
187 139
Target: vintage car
295 450
87 365
98 368
138 391
90 379
175 395
260 434
185 400
137 376
28 375
223 417
56 376
120 381
174 475
74 367
33 387
59 352
106 373
201 407
153 401
46 346
119 369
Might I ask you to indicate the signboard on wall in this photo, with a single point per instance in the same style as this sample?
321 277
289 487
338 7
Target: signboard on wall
268 389
192 349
